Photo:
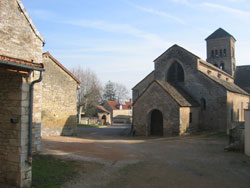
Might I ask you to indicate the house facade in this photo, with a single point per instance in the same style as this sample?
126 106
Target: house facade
59 99
185 93
21 68
120 113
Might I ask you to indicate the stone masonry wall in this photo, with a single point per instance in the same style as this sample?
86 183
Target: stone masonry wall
14 171
59 110
156 98
142 85
236 104
17 39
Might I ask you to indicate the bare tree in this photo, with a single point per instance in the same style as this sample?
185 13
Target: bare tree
90 90
121 92
115 91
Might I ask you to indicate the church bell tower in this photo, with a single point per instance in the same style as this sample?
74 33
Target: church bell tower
221 50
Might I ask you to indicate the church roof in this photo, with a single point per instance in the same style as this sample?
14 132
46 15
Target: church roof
148 76
176 47
179 95
242 76
227 85
219 33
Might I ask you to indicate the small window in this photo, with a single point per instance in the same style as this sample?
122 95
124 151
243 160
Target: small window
220 52
222 66
216 53
190 117
224 52
212 53
203 104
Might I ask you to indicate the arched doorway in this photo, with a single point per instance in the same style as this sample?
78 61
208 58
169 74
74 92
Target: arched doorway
156 124
104 120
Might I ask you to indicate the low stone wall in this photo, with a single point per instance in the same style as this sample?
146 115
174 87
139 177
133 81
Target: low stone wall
247 132
62 131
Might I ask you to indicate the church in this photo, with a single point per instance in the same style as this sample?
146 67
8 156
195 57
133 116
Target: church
185 94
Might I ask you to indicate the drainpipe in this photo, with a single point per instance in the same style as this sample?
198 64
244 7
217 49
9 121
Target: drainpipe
31 116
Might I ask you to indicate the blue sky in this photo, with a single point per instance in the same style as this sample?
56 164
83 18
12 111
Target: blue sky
119 39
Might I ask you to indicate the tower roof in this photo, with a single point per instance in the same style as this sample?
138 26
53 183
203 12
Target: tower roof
219 33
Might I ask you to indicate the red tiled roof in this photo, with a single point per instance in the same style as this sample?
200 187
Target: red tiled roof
115 105
47 54
127 105
102 108
21 61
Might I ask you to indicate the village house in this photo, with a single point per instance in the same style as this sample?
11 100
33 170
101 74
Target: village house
100 116
32 101
21 68
185 93
120 113
59 99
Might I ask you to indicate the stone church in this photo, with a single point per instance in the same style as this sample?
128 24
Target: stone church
185 93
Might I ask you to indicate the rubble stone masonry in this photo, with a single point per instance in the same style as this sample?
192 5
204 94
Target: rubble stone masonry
59 109
14 111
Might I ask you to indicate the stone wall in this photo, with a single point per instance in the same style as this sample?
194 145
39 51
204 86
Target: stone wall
247 132
212 71
14 104
59 109
236 104
189 119
156 98
17 39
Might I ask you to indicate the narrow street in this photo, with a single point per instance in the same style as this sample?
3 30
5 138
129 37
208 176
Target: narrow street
118 160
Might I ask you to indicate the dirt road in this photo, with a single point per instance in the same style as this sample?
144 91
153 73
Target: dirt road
128 162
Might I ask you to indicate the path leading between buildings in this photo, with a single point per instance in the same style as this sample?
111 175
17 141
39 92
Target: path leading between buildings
139 162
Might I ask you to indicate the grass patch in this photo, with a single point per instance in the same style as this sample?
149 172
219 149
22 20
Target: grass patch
50 172
90 125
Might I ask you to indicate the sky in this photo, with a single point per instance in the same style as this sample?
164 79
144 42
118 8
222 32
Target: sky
119 39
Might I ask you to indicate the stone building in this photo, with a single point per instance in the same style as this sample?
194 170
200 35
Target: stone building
100 116
120 113
59 99
242 77
185 93
21 48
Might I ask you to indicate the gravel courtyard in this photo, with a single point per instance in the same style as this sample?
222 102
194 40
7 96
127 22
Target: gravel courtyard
116 160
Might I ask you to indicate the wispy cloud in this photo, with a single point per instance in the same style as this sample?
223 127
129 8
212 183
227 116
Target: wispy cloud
186 2
117 28
160 13
230 10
